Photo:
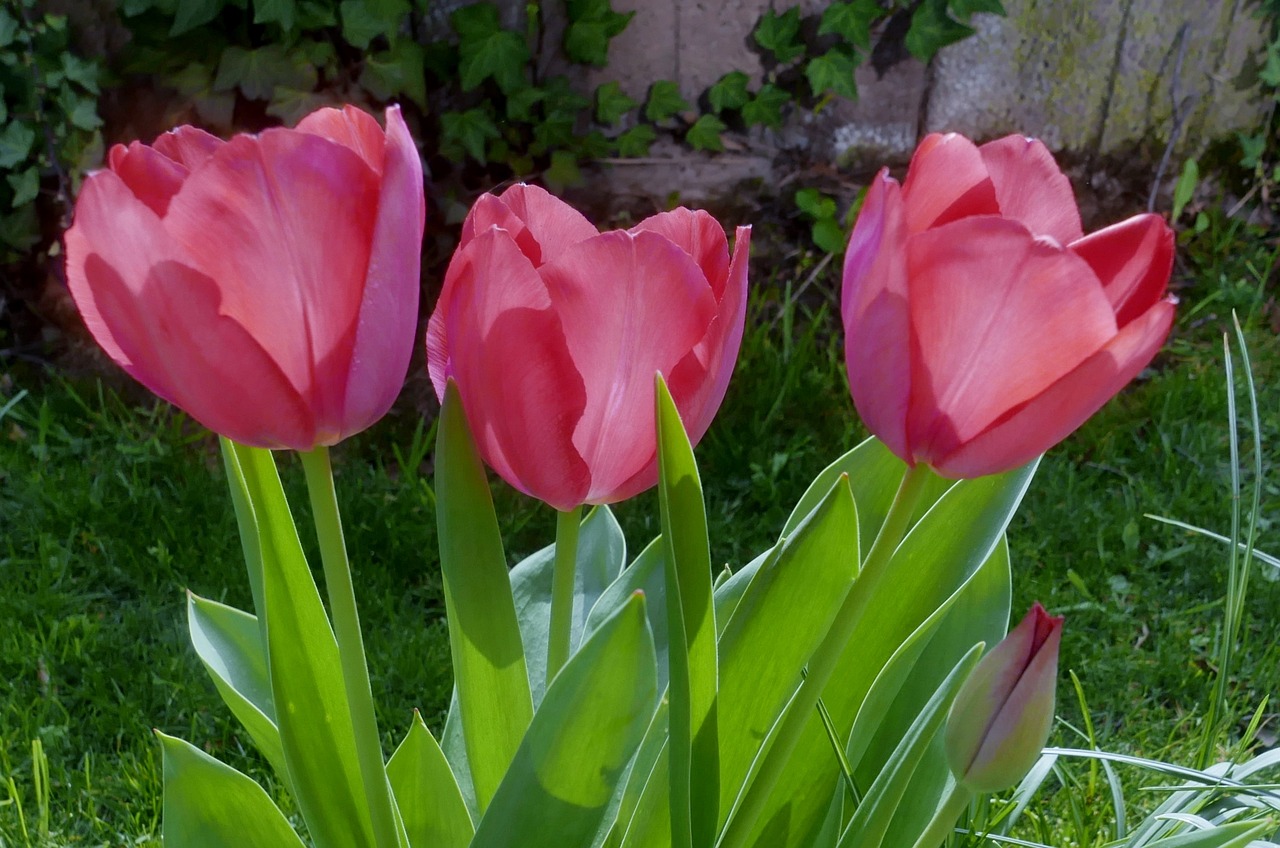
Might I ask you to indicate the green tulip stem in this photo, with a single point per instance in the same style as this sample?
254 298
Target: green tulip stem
567 525
346 626
823 662
943 823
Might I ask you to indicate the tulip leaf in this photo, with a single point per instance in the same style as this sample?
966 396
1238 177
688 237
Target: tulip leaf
977 612
645 574
873 816
646 782
247 523
944 549
229 643
316 731
208 804
694 743
601 555
591 721
873 473
431 804
782 617
494 700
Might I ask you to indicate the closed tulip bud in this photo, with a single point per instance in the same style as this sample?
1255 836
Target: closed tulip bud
1001 718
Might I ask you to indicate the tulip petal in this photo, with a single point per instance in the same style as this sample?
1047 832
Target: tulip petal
518 382
161 320
876 317
1031 189
488 211
1133 260
554 224
353 128
657 306
388 320
299 211
699 381
152 177
189 146
700 236
1055 413
946 181
997 316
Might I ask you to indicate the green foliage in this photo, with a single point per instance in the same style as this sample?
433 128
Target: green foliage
827 232
664 101
779 35
48 120
705 133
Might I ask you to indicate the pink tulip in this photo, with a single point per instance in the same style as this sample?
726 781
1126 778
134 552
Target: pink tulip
982 326
553 333
267 285
1002 715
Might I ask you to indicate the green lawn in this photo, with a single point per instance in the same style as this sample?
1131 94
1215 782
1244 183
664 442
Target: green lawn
110 509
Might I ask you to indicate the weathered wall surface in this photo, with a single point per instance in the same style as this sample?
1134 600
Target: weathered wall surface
1089 76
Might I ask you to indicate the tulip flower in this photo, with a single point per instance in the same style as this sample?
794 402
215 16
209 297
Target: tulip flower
268 285
553 332
982 326
1002 715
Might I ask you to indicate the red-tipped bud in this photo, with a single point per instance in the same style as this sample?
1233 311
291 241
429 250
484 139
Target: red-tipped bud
1003 714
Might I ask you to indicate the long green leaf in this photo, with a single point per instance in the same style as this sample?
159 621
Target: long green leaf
872 818
947 545
601 556
1234 835
208 804
645 574
780 620
306 678
430 803
495 703
566 772
247 523
694 747
228 643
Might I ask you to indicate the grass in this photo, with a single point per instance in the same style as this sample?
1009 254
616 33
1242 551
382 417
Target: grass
110 508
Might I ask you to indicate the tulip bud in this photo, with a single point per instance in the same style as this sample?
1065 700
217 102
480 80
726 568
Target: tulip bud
1002 715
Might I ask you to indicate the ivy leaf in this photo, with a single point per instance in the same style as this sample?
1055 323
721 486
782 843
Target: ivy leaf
311 14
410 57
25 185
851 21
833 71
487 50
932 29
705 134
15 144
359 24
82 112
467 132
274 11
291 105
594 145
766 107
966 8
257 72
194 13
729 92
815 204
828 235
520 104
592 24
80 71
635 142
612 103
562 100
779 34
476 22
664 101
563 171
8 28
1270 73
